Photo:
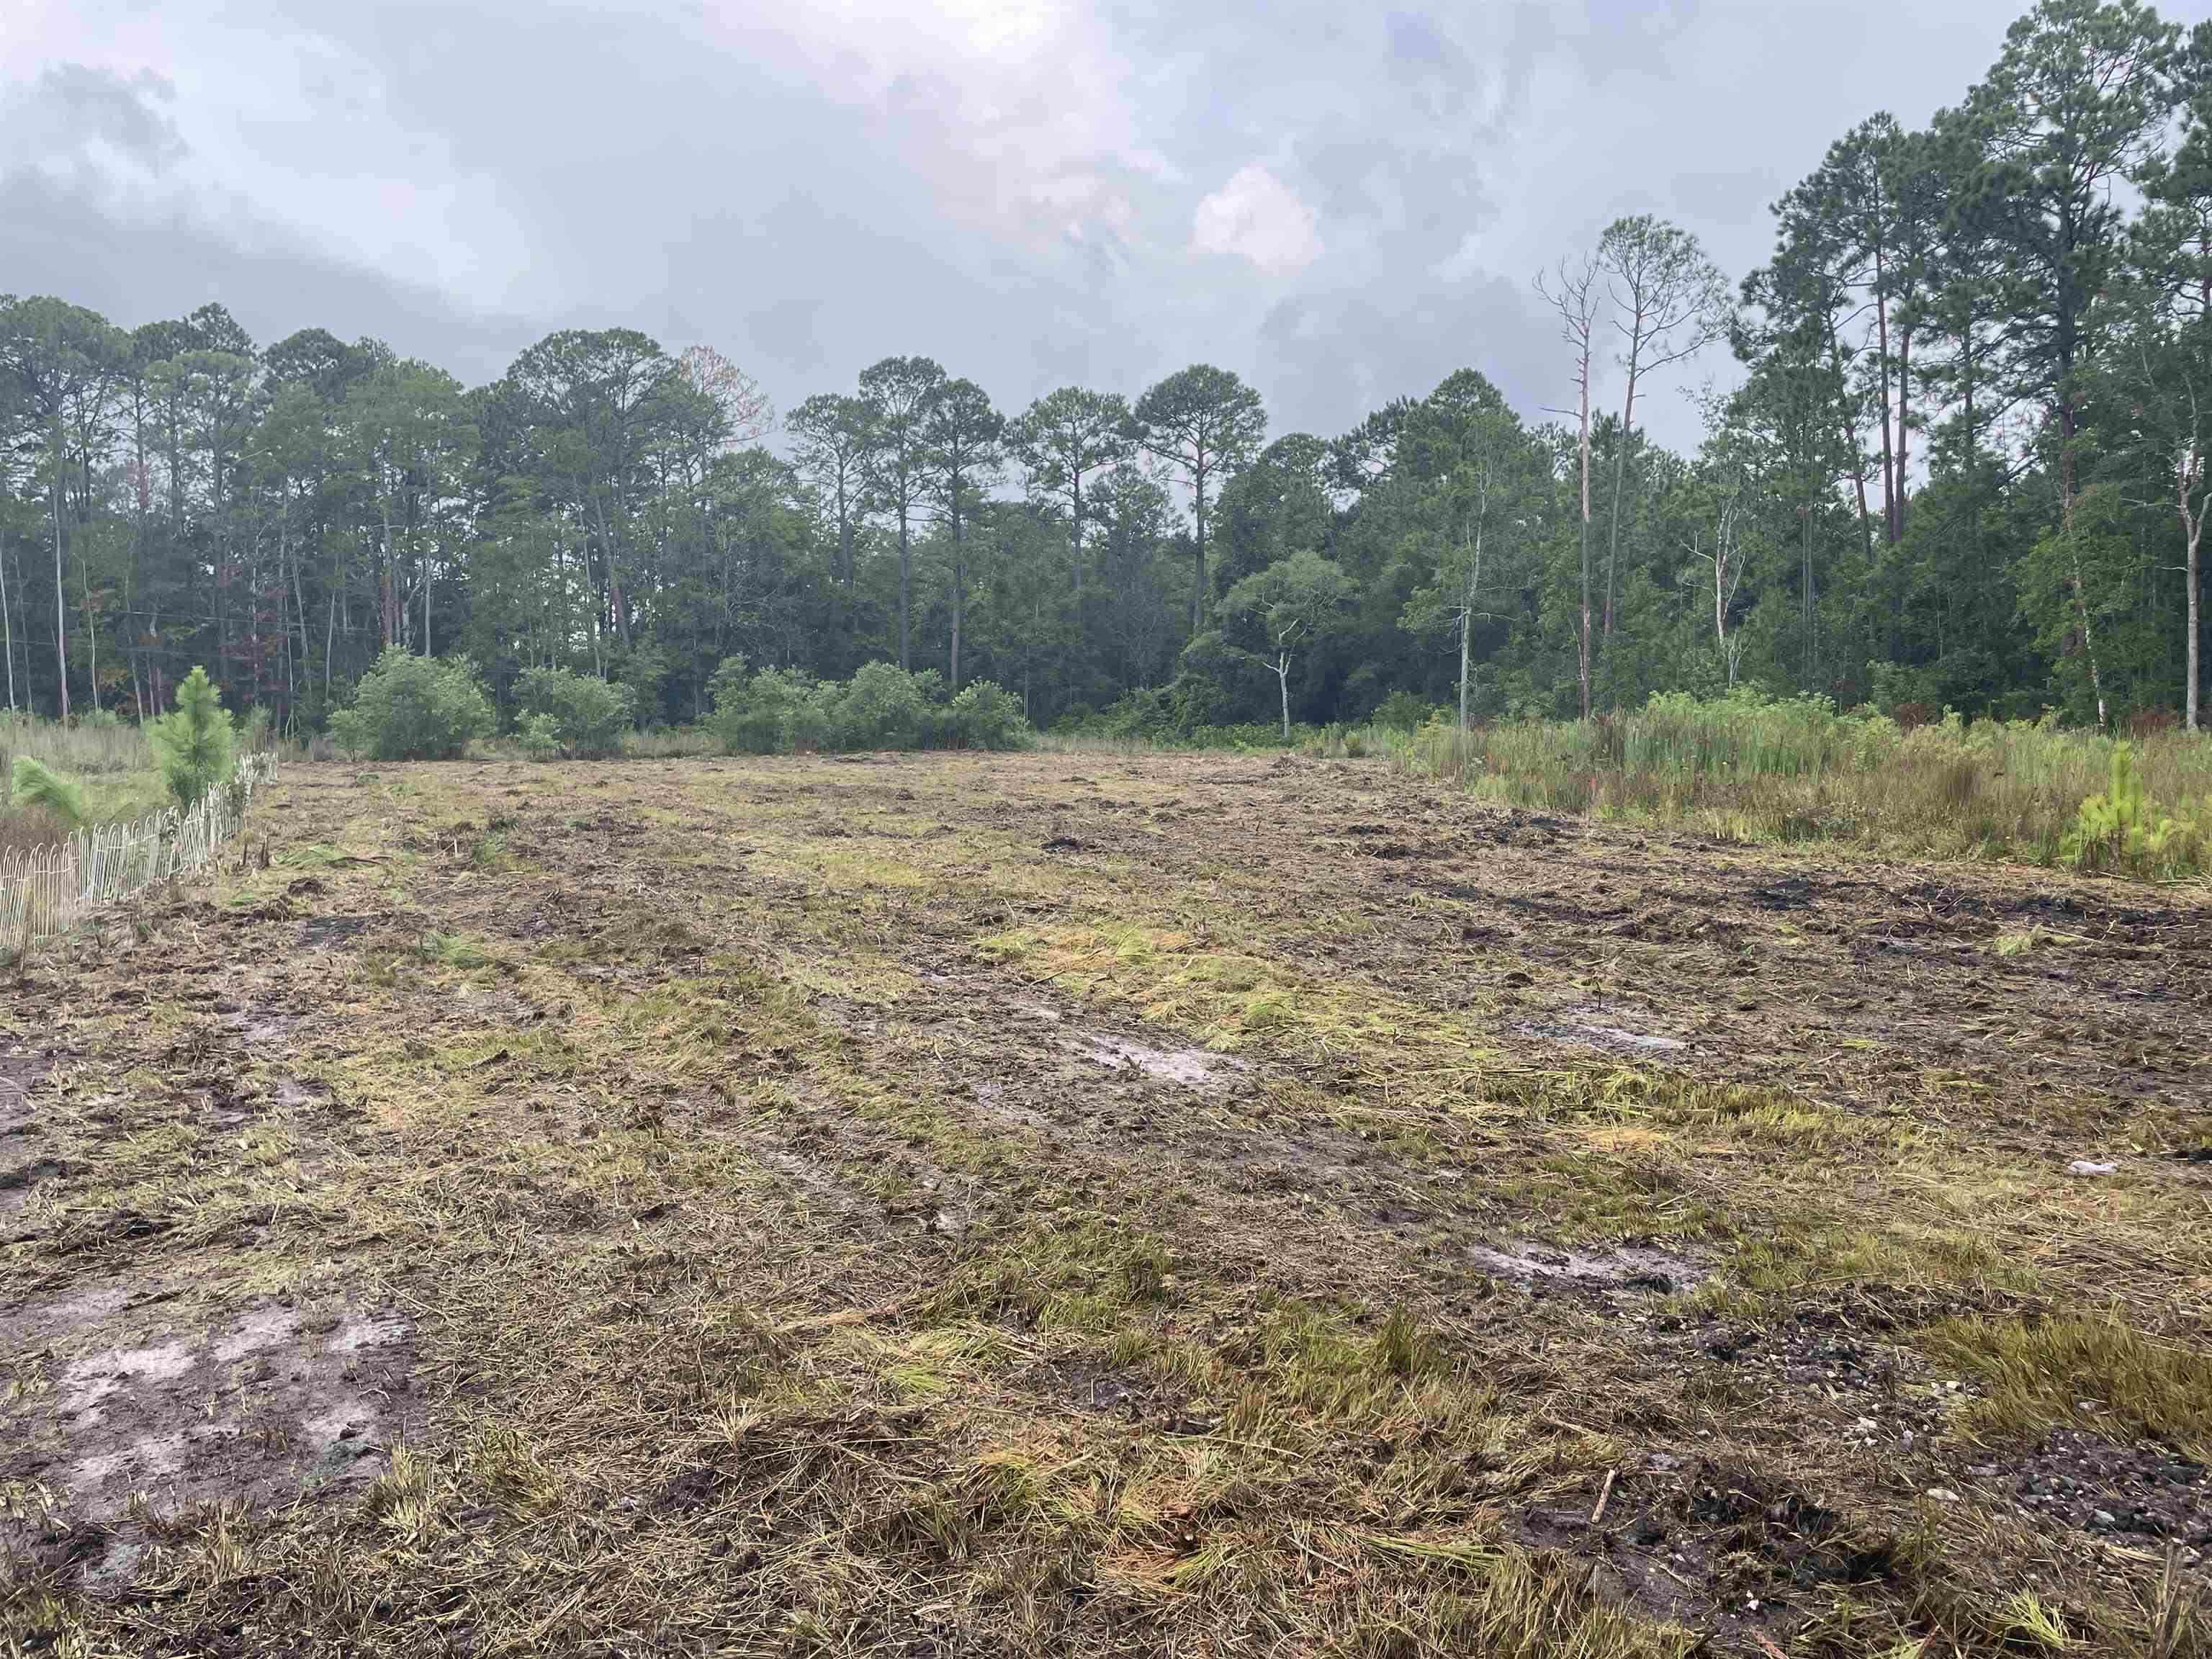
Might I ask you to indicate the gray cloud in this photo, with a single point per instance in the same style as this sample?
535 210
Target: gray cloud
1014 186
73 117
59 243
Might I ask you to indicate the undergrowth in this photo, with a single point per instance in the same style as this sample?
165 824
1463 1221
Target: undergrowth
1754 770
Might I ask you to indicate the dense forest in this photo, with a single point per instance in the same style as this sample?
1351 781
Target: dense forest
1961 463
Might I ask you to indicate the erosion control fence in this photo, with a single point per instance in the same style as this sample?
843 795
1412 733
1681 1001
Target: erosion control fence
50 890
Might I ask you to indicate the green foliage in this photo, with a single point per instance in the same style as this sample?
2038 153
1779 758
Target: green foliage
1751 768
1401 711
775 712
194 742
32 785
410 707
2123 832
539 736
780 711
885 708
1472 551
984 715
586 716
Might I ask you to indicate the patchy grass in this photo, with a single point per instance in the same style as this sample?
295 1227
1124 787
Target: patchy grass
1077 1203
2091 1371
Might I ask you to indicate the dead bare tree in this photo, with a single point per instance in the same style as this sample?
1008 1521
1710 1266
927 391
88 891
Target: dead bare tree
1577 299
1725 556
1670 301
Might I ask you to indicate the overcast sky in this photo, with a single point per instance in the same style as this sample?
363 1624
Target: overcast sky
1342 204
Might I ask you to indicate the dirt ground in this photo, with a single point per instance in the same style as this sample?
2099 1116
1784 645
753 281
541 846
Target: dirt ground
945 1205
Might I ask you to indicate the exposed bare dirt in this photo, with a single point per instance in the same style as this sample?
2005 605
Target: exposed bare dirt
1053 1204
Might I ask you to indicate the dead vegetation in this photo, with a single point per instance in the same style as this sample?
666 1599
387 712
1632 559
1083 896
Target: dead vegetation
1067 1204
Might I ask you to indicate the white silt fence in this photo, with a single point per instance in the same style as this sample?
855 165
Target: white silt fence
51 890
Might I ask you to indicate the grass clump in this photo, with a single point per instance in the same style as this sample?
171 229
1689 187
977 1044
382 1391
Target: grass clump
93 745
2038 1374
1751 768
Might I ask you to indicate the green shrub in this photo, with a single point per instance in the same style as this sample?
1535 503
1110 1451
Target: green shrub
985 716
410 708
540 737
775 712
254 734
587 716
194 741
883 706
1401 711
32 785
785 711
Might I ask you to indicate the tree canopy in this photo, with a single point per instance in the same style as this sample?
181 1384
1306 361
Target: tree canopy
1961 462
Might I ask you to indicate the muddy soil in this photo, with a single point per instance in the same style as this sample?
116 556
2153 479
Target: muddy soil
561 1121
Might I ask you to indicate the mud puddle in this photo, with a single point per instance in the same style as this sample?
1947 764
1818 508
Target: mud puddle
1628 1267
116 1399
1598 1028
1188 1068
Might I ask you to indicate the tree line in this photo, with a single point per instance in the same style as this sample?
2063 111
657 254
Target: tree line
1962 465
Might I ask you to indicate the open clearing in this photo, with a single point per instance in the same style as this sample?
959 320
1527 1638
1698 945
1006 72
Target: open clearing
948 1204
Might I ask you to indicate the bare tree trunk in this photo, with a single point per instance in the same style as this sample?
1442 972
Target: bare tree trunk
7 630
1890 519
1620 473
1283 679
1466 626
388 608
906 595
1903 425
959 600
1851 437
61 615
1583 642
91 633
2192 527
330 626
1198 586
1075 530
2195 626
2074 554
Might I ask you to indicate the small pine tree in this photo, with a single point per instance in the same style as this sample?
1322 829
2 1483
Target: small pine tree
194 742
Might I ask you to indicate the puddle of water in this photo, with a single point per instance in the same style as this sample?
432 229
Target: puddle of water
1592 1033
264 1327
1192 1068
1613 1033
97 1376
354 1334
335 1420
1629 1267
292 1094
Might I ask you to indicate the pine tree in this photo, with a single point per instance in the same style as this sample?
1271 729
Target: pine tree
194 742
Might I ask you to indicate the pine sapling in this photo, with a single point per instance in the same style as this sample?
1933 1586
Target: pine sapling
194 742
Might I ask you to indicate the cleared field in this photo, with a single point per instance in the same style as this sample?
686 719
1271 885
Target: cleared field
1077 1203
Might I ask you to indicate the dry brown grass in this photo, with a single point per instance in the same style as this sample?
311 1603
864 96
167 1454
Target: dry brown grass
24 830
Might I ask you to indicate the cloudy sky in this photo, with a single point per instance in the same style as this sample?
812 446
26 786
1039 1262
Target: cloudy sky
1342 202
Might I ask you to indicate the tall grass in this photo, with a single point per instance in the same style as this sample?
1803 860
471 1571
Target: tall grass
86 747
108 766
1754 769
